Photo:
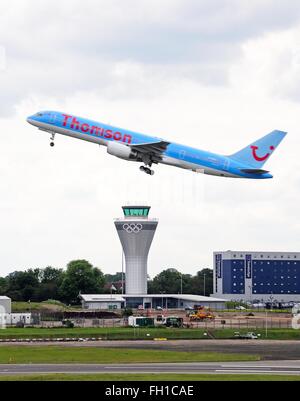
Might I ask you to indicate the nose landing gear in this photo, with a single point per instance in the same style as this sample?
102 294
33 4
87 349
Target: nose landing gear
147 170
52 144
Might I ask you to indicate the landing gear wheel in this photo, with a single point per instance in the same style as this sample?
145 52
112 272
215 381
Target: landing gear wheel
147 170
52 138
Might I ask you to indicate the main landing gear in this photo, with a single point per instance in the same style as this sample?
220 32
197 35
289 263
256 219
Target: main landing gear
147 170
52 144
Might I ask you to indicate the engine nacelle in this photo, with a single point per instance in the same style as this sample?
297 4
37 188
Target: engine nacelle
121 151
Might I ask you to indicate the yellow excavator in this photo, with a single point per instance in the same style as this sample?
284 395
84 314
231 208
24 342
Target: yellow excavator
202 314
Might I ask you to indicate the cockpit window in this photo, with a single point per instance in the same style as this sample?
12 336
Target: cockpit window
39 114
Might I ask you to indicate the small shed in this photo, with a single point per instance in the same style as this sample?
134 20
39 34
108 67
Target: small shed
5 305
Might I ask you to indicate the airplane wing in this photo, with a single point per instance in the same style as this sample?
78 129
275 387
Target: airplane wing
153 150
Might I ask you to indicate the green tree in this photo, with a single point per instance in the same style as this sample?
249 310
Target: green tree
22 286
51 275
168 281
82 277
171 281
197 287
3 286
50 282
113 278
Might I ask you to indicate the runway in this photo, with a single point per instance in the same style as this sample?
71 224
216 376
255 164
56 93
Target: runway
271 367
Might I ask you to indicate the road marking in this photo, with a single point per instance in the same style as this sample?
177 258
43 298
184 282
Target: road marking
274 372
271 366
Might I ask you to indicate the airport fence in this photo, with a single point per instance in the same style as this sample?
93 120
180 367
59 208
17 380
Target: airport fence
271 323
87 323
236 324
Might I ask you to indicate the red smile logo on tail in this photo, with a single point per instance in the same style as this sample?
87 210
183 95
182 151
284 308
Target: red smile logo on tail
263 158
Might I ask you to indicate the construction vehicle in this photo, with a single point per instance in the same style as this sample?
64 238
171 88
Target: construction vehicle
201 314
174 321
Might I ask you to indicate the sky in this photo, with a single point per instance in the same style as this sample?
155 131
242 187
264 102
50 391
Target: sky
212 74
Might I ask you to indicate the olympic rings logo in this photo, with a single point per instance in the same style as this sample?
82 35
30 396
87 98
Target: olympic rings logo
132 228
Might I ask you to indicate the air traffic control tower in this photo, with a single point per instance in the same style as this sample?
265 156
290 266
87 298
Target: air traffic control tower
136 232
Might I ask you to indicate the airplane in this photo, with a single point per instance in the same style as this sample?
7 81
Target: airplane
131 146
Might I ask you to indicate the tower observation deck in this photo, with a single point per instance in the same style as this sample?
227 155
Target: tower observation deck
136 232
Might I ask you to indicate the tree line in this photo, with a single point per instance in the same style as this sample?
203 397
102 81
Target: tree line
80 276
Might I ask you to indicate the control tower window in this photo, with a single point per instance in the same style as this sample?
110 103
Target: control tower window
136 211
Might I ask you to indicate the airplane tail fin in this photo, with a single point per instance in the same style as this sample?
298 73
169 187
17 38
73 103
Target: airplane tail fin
258 153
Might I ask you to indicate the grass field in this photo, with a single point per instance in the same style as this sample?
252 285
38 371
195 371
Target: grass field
149 377
139 334
19 307
58 355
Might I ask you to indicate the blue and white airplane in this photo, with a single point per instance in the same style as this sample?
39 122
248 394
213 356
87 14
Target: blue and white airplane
132 146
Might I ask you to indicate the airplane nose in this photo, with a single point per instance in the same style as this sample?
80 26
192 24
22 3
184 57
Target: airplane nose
30 120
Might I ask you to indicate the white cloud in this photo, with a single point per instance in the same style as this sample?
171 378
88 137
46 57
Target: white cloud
66 46
271 64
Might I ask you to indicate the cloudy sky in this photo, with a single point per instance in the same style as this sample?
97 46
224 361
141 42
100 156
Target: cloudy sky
214 74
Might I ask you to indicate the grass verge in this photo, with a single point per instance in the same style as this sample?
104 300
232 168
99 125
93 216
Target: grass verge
127 333
149 377
61 355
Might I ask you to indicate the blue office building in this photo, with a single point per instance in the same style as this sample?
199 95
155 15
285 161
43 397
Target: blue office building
257 276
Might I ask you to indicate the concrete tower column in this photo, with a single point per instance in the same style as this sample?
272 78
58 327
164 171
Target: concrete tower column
136 232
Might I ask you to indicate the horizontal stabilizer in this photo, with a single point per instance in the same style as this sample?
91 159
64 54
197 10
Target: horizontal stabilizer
254 171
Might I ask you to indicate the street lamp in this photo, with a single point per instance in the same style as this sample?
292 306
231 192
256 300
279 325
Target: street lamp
162 298
250 288
181 284
271 299
266 323
204 283
123 272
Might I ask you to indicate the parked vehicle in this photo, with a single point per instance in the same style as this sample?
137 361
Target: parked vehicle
259 305
248 336
138 321
174 321
159 318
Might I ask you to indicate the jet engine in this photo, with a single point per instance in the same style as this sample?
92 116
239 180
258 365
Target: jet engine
121 151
